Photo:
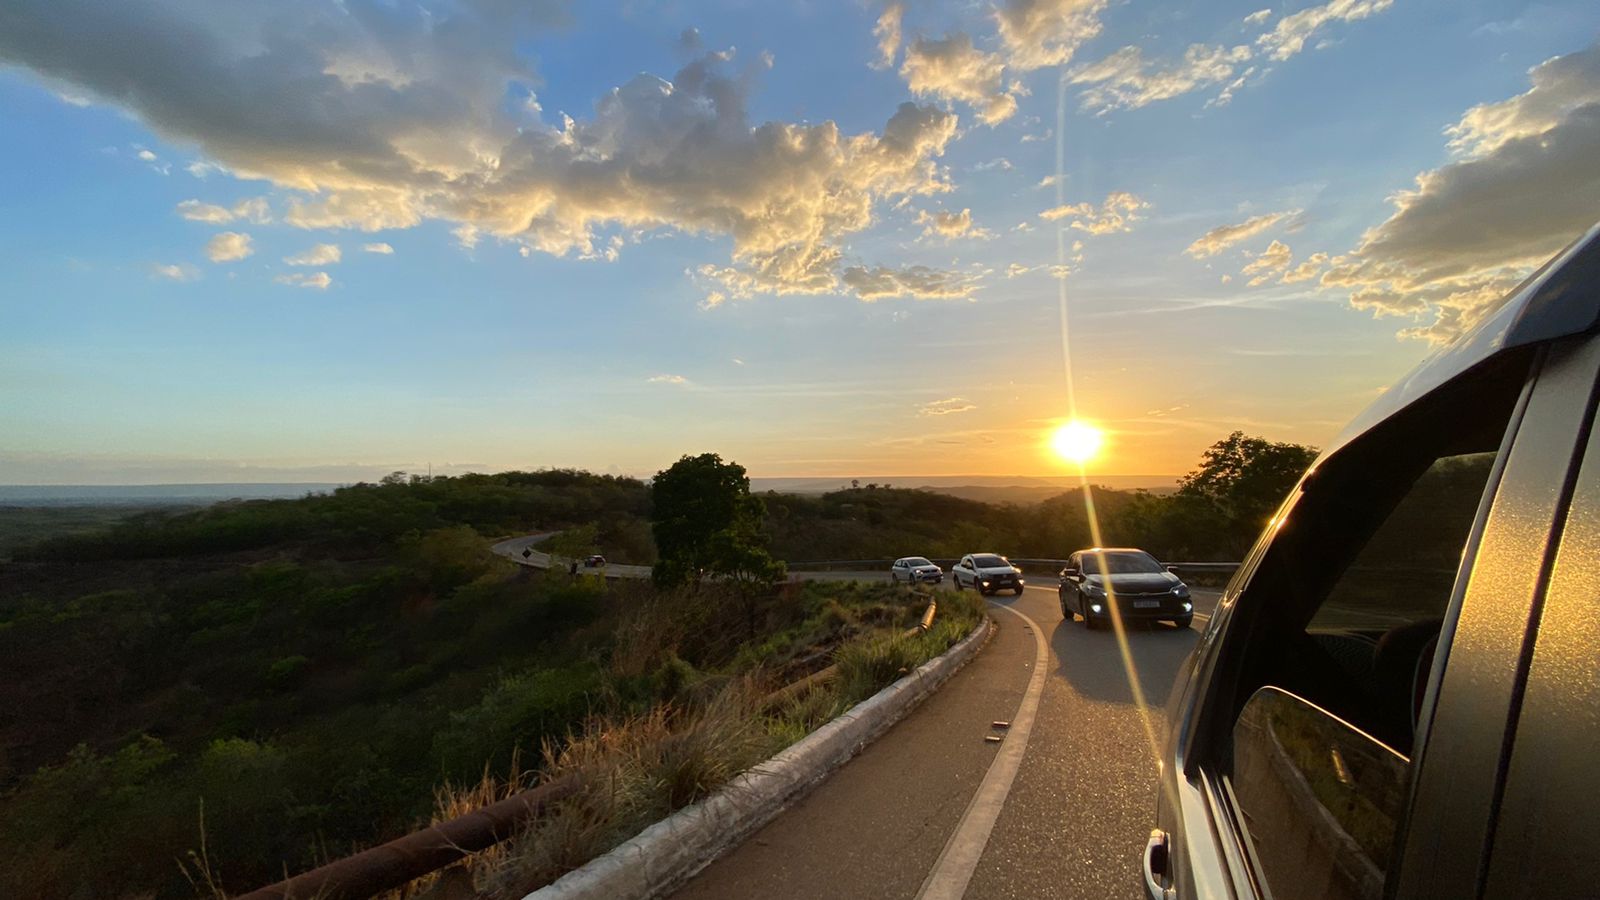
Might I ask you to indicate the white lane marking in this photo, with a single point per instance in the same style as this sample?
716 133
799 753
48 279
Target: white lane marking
956 863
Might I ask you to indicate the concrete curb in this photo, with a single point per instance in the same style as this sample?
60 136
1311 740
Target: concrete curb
670 852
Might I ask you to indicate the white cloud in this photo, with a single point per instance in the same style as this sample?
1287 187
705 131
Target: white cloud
1258 17
1118 213
379 247
229 246
887 31
999 163
147 156
1289 36
953 69
667 379
318 281
175 272
317 255
1274 258
388 116
919 282
1224 236
1124 80
1307 270
950 225
946 407
1039 33
1561 85
1471 229
255 210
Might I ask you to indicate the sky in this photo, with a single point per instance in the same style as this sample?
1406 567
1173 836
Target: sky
309 241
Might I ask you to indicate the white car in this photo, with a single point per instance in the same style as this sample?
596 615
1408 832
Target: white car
915 570
987 573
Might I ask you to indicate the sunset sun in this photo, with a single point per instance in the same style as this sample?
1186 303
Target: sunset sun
1077 442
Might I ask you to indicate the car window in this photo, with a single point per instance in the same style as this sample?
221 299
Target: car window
1338 628
1124 563
989 562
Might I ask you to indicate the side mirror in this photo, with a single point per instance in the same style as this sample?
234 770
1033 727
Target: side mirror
1069 572
1172 569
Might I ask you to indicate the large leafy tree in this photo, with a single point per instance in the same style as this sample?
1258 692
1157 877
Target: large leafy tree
706 522
1244 480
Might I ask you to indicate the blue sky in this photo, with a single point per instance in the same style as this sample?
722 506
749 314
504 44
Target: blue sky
745 240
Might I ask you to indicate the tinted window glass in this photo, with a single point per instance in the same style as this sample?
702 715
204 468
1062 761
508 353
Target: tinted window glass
989 562
918 561
1128 563
1342 616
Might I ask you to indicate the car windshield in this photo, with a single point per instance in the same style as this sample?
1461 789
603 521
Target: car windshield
918 561
990 562
1131 562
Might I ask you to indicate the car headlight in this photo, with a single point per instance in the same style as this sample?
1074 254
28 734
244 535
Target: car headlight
1096 608
1187 606
1180 590
1093 590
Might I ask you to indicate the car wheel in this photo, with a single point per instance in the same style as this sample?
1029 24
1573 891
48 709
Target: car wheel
1066 614
1017 591
1183 622
955 582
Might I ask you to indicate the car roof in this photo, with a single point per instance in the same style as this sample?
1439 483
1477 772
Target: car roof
1561 299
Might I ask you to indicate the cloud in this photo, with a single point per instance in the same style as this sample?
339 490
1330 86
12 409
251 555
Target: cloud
667 379
373 116
999 163
1224 236
1276 257
314 280
1124 80
379 247
1289 36
1040 33
1307 270
255 210
946 407
229 246
918 282
1561 85
953 69
1471 229
1118 213
950 225
317 255
175 272
887 31
147 156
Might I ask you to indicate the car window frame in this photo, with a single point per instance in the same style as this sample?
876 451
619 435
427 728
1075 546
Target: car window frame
1201 694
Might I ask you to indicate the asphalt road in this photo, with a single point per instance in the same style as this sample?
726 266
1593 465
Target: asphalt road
1069 820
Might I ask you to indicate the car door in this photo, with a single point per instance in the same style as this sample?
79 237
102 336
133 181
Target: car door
897 569
1384 605
965 567
1069 585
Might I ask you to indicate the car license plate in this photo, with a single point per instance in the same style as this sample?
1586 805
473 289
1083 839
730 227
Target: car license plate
1146 604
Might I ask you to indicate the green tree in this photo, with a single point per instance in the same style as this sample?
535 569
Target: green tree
706 522
1245 479
573 543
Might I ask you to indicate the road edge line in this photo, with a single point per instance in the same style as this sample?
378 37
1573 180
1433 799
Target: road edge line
952 871
667 854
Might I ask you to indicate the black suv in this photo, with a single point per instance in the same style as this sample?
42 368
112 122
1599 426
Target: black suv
1399 693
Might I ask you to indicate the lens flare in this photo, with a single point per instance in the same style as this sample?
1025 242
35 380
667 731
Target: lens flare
1077 442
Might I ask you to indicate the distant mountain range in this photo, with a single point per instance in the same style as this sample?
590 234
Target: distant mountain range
988 488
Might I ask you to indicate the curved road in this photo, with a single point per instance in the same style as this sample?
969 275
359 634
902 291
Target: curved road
1063 811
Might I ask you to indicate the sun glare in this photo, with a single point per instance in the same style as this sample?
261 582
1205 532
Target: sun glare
1077 442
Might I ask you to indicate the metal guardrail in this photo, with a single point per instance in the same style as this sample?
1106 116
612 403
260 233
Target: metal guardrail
854 565
408 858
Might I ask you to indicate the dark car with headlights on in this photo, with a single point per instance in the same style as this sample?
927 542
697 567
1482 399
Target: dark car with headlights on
1130 581
987 573
1398 696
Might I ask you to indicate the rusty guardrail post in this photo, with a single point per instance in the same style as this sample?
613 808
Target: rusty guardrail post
419 853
